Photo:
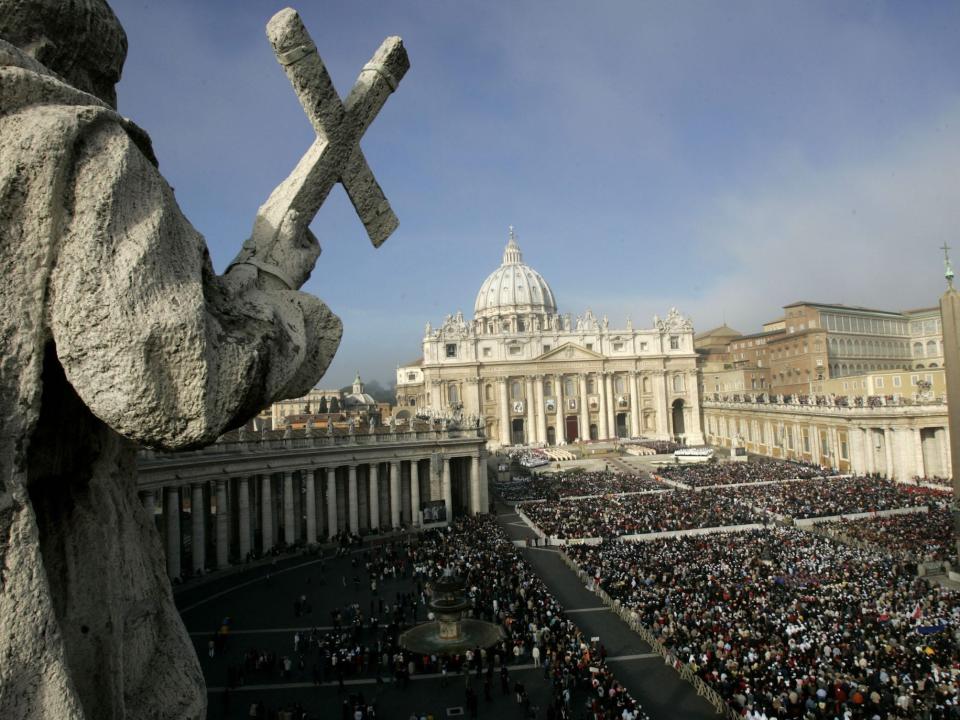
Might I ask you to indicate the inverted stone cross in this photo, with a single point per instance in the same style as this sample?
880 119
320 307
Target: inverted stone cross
335 155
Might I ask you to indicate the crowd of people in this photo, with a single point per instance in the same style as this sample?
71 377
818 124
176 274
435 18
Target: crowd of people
529 457
613 516
914 537
735 473
502 587
788 624
839 496
574 483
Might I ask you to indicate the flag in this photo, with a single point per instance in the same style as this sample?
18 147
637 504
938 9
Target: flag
931 629
917 612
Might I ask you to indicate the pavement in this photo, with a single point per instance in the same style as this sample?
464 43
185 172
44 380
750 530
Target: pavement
259 602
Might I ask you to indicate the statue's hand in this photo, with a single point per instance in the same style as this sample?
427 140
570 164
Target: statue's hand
282 259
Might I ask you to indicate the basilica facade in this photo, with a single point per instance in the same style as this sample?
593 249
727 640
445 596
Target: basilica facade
534 376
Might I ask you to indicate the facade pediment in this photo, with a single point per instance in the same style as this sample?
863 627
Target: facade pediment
572 352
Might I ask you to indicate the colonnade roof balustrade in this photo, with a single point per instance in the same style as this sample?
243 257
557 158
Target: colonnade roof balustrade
248 453
902 408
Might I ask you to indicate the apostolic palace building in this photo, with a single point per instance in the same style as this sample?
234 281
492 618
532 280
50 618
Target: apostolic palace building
535 376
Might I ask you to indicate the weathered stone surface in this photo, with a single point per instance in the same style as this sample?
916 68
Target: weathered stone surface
114 330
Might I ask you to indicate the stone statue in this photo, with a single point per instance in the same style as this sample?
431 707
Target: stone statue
117 332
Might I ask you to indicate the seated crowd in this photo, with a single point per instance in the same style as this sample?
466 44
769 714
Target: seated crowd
730 473
913 537
637 514
787 624
574 483
840 496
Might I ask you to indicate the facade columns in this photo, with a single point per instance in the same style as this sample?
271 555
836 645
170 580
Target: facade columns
289 529
560 430
502 388
869 451
223 526
415 493
311 506
635 429
332 502
603 429
447 488
374 483
539 410
353 507
266 514
395 494
199 540
531 424
660 403
584 409
611 403
172 513
694 431
243 519
475 483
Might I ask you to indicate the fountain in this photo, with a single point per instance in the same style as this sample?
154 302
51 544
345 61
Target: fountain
450 632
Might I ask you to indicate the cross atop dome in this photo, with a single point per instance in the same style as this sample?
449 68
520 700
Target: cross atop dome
511 255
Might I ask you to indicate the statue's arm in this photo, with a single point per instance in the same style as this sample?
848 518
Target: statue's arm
158 346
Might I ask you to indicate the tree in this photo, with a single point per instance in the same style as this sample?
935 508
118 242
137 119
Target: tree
334 405
323 406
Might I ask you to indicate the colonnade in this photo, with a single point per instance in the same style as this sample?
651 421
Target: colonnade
895 448
247 515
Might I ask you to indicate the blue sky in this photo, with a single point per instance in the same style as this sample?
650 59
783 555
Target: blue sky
724 158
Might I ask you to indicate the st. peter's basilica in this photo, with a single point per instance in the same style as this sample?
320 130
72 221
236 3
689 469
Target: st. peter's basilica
539 377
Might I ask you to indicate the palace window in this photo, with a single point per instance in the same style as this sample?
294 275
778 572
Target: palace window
546 348
678 383
488 393
451 350
453 394
590 385
618 346
674 342
486 352
548 388
619 384
514 349
569 389
516 392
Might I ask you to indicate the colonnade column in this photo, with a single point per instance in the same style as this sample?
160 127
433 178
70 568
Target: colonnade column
635 429
584 409
243 520
541 413
531 423
475 484
888 438
353 507
504 412
149 500
223 526
199 540
331 502
694 431
603 427
374 483
415 493
311 506
172 512
919 469
289 530
447 488
611 403
395 494
942 442
266 514
869 451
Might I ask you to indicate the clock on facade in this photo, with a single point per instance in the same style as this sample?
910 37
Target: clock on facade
551 405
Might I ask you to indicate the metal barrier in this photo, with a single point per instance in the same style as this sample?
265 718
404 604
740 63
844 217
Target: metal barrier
633 622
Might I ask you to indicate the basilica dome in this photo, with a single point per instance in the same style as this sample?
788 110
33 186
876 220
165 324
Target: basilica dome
514 288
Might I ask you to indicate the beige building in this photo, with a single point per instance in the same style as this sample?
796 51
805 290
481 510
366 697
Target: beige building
538 377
